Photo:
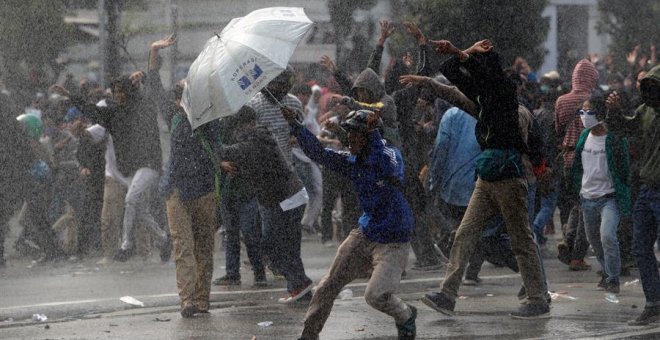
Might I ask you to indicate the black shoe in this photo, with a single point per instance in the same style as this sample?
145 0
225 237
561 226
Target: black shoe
532 311
227 281
440 302
260 280
612 287
564 253
408 330
124 254
166 249
602 284
649 315
522 295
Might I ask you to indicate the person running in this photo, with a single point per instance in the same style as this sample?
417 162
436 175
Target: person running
382 241
483 90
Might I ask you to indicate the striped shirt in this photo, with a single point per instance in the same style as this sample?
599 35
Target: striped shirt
270 117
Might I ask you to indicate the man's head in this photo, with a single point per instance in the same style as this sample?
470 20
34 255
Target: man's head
123 89
303 92
244 120
649 88
280 86
356 125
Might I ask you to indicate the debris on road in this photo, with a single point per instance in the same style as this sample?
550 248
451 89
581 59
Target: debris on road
265 324
346 294
131 301
39 317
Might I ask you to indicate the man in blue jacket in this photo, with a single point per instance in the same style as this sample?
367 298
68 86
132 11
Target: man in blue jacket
382 241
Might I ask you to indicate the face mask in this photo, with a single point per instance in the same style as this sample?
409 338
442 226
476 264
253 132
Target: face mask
588 118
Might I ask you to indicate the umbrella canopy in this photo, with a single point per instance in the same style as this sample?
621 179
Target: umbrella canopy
239 62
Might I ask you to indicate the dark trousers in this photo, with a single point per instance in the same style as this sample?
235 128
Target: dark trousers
282 233
334 187
239 217
646 216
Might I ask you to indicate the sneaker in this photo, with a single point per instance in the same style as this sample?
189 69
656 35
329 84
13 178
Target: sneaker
298 294
227 281
188 311
522 296
532 311
166 249
579 265
124 254
612 287
408 330
649 315
472 281
440 302
563 252
260 280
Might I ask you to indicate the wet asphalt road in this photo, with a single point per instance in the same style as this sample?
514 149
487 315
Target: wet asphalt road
81 301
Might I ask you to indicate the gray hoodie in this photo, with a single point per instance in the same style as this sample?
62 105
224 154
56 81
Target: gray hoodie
370 81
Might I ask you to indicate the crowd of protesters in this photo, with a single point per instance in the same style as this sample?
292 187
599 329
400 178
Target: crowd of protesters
453 155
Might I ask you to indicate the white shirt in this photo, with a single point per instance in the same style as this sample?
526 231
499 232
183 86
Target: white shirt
596 179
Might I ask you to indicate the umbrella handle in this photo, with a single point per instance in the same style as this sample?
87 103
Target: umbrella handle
275 99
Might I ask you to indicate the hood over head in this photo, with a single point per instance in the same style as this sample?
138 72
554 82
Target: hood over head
585 77
370 81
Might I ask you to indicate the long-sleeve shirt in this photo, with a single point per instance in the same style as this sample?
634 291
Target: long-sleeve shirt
378 178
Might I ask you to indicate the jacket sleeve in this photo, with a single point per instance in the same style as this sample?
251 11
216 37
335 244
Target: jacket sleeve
375 58
330 159
344 82
440 151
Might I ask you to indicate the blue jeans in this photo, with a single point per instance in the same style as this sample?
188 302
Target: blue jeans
547 205
282 233
646 222
238 217
601 220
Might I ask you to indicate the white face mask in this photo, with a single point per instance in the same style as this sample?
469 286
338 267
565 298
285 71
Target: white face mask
589 119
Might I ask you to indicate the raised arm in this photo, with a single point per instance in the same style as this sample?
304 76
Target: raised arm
449 93
386 29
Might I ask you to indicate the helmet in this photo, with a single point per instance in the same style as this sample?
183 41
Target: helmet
356 121
33 125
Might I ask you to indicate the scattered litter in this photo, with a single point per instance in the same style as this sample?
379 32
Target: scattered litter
632 283
132 301
346 294
462 297
162 320
113 325
633 306
611 298
490 295
265 324
562 292
47 327
107 331
359 329
254 337
39 317
9 320
574 286
562 296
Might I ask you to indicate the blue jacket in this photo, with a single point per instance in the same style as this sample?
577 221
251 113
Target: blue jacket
454 158
378 178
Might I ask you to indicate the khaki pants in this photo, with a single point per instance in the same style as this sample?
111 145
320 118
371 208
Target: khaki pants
192 225
112 218
356 256
508 198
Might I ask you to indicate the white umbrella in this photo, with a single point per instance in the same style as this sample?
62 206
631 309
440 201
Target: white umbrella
239 62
